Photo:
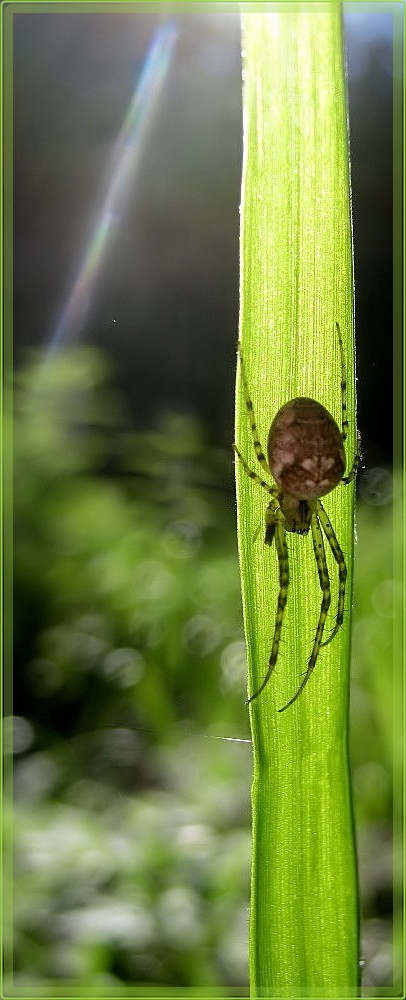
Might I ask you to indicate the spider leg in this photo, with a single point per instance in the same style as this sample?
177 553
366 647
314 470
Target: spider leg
354 468
344 419
257 479
275 526
251 417
324 579
342 569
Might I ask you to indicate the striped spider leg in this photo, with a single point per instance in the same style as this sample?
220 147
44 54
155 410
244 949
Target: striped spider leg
306 459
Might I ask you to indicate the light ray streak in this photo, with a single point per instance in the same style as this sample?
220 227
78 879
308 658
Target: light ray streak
229 739
119 183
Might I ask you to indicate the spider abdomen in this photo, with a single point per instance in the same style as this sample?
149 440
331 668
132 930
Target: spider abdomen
305 449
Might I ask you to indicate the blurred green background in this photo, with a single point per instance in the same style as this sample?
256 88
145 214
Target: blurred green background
127 733
131 785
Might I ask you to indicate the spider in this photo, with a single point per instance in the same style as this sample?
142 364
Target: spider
306 458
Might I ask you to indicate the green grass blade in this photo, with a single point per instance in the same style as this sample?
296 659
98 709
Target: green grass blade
296 283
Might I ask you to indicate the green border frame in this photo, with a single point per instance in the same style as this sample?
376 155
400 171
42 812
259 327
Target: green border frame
183 6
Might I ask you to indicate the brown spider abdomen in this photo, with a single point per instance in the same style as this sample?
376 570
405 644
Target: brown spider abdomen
305 449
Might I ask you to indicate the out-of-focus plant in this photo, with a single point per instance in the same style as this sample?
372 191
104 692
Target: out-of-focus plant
131 816
376 724
129 667
131 575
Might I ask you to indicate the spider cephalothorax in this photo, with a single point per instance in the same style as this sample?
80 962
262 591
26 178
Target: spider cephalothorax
306 457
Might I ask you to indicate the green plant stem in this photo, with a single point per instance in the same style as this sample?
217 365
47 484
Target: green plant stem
296 284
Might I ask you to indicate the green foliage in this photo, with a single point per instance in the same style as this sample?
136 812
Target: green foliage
146 549
296 285
131 813
130 666
376 735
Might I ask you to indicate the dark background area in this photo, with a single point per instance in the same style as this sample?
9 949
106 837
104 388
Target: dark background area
165 302
128 729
